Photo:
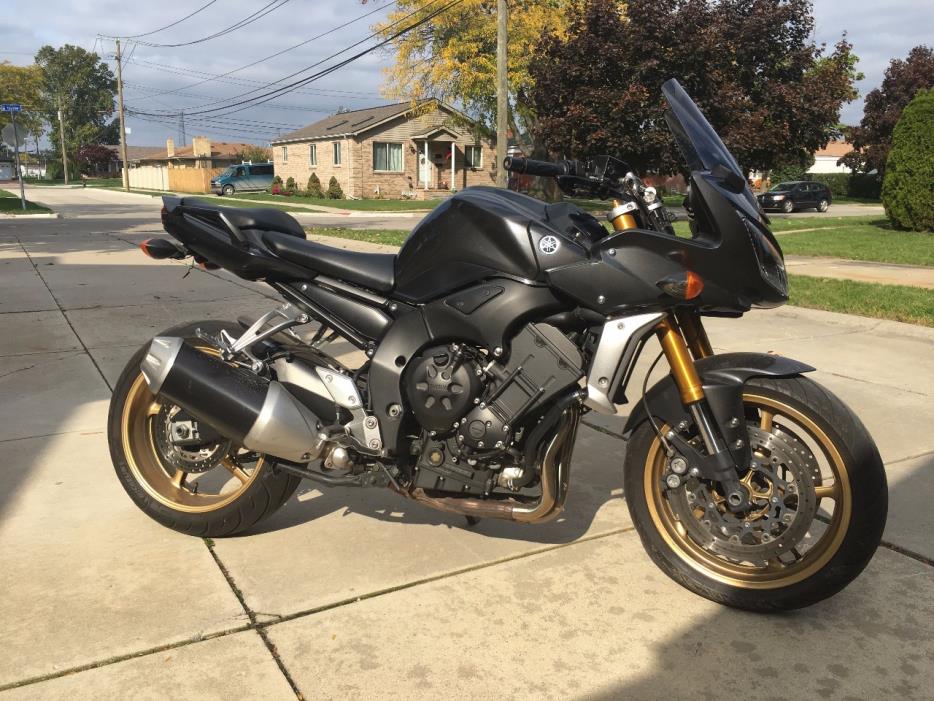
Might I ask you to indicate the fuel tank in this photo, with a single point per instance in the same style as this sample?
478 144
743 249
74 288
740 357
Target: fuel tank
477 233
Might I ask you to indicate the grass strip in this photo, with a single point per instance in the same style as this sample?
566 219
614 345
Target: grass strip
355 205
387 237
914 305
11 204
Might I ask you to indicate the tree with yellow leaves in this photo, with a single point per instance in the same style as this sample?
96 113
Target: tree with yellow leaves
453 56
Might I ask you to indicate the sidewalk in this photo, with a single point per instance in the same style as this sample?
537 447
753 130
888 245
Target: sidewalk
862 271
350 593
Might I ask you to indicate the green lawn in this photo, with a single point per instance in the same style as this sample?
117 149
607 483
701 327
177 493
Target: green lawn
231 202
872 240
357 205
389 237
10 204
914 305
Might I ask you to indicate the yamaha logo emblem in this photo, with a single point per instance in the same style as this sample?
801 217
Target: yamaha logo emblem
549 245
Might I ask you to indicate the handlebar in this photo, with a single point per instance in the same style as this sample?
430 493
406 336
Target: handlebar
528 166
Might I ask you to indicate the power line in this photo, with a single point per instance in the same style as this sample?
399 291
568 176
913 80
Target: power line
259 14
155 31
283 51
290 87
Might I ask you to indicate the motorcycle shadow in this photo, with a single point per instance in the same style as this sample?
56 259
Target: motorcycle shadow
595 502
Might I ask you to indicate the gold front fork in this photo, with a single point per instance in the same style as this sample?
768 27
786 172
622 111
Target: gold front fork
679 354
694 333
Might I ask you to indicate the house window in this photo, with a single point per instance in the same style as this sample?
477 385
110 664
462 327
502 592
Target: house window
312 154
387 157
473 156
337 153
285 154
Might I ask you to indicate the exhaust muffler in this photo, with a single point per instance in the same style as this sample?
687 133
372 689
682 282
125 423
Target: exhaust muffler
259 414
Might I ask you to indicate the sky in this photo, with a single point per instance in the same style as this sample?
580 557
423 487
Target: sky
169 79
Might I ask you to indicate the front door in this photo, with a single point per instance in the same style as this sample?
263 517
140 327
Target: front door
424 169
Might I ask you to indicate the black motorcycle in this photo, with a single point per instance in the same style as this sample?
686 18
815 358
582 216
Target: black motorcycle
500 322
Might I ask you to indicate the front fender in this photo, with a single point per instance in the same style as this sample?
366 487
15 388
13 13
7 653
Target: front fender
723 377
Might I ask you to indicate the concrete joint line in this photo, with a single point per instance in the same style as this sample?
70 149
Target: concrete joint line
64 315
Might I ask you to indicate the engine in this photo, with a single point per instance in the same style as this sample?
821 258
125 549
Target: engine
477 413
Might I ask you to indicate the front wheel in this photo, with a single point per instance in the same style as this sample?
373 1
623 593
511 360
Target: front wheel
228 190
818 493
788 207
179 471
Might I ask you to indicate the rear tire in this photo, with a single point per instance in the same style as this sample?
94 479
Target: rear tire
843 542
823 206
144 474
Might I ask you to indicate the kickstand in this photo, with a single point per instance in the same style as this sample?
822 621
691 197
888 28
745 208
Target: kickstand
472 521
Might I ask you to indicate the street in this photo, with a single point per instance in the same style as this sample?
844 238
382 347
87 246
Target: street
360 594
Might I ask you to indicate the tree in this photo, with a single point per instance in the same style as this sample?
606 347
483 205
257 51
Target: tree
907 192
22 84
334 189
771 93
314 187
254 154
83 86
93 159
872 139
453 56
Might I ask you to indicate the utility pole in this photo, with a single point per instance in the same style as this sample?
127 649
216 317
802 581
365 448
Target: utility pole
61 133
502 94
19 169
181 127
125 169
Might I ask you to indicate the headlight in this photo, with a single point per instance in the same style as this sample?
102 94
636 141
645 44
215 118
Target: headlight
771 261
778 198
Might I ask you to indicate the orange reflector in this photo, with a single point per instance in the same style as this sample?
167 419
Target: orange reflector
694 286
144 247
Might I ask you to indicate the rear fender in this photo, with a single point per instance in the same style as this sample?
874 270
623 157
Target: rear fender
723 377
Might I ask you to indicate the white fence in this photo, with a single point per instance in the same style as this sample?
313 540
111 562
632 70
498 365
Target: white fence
149 178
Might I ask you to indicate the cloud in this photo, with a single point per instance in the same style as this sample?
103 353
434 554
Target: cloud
879 32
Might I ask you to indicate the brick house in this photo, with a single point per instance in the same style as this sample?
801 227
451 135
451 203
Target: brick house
422 150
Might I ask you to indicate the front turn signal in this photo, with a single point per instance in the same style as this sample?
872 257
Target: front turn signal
687 285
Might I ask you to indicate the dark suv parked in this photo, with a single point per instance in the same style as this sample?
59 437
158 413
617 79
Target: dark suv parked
800 194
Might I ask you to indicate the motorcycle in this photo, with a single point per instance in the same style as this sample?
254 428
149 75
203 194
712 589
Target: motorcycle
498 325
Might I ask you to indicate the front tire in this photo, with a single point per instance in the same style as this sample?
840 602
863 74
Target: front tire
788 207
227 489
821 485
228 190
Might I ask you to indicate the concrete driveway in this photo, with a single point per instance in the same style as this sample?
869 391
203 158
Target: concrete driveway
356 593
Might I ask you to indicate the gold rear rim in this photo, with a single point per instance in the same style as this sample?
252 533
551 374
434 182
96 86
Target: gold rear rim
189 492
816 476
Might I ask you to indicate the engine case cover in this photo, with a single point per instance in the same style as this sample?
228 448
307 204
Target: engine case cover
441 387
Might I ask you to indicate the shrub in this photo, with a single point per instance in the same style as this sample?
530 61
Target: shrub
314 187
276 188
859 185
784 174
334 189
290 185
277 181
907 193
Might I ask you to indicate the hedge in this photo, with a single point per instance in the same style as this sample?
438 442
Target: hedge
908 190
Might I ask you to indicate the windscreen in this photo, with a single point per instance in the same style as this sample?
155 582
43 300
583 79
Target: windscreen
702 148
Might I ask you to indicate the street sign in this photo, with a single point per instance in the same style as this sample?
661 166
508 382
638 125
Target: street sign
11 107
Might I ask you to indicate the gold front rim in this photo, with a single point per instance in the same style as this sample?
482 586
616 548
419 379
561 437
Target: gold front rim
834 486
175 488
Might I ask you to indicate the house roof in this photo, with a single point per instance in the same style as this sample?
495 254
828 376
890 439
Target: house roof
835 149
349 123
219 149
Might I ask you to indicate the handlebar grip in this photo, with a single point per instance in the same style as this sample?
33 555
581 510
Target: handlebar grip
528 166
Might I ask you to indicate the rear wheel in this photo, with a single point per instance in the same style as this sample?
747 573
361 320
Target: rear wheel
818 493
823 206
208 487
228 189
